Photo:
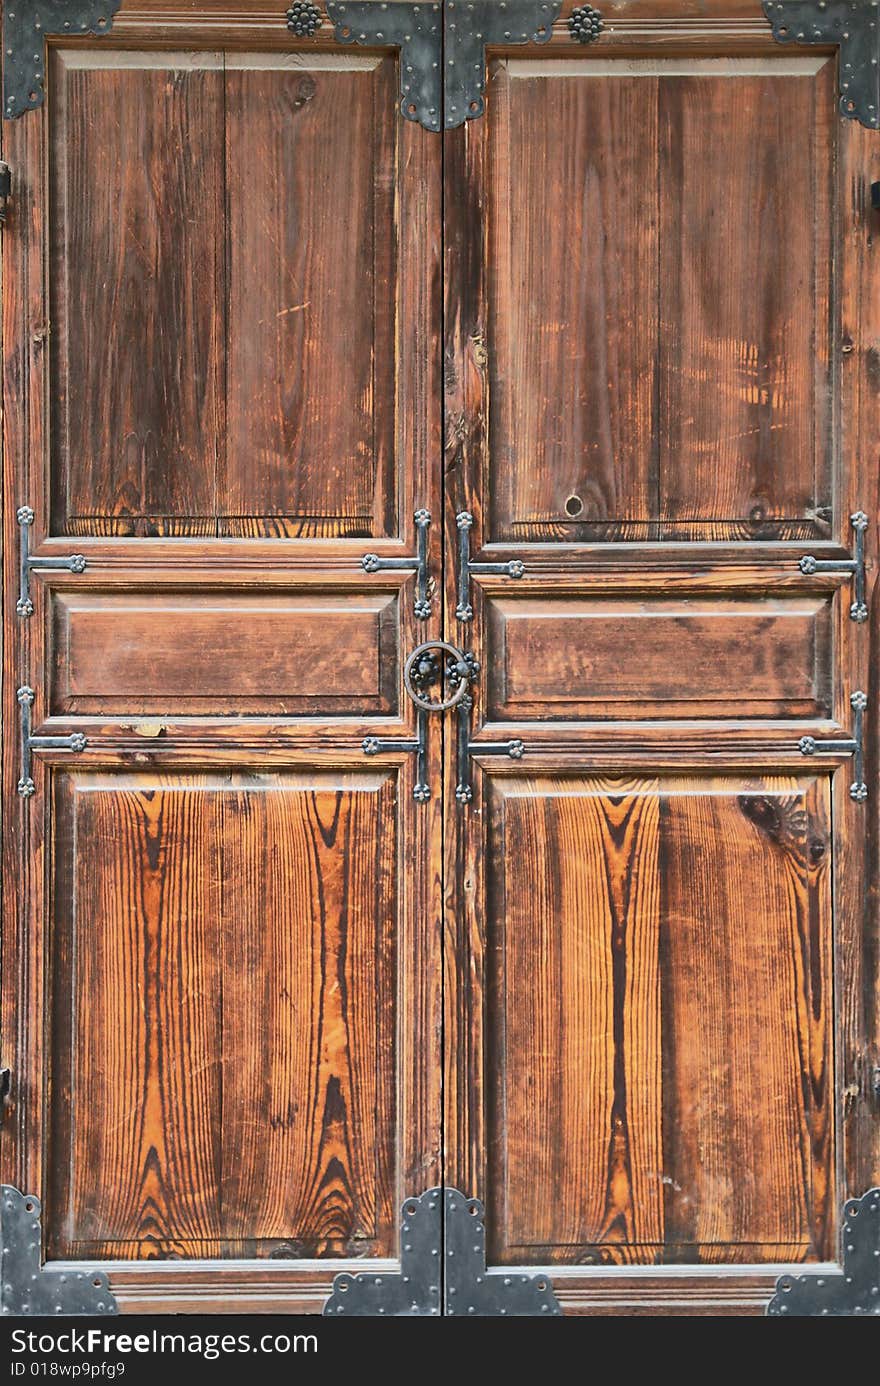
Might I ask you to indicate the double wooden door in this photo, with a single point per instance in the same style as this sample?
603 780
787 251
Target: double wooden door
295 383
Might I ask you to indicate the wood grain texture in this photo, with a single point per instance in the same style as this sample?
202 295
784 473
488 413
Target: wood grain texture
659 349
229 652
617 658
660 1020
224 1051
573 302
310 175
745 168
137 269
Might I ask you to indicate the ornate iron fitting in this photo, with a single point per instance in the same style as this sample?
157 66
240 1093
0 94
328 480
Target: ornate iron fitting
855 1289
854 28
75 563
303 19
425 668
443 1270
29 743
846 746
469 25
25 1288
585 24
26 23
372 563
417 30
808 565
442 47
514 567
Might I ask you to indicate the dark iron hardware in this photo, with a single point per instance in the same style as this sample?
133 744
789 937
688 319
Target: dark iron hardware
376 745
372 563
852 26
585 24
26 25
875 196
303 19
858 610
5 1088
845 746
5 189
443 1270
423 669
75 563
514 568
442 47
515 749
29 743
431 665
25 1287
839 1293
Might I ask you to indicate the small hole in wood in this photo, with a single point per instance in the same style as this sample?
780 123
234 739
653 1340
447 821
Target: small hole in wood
573 506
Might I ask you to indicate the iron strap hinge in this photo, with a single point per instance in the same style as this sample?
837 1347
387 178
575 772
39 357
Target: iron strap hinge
372 563
75 742
74 563
845 746
514 568
808 565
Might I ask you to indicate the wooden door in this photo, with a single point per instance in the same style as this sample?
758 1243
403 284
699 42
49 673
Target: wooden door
221 940
663 320
322 341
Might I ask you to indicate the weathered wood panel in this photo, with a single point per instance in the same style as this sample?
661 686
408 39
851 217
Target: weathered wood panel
310 183
137 281
660 1019
745 174
658 351
224 1014
224 652
611 657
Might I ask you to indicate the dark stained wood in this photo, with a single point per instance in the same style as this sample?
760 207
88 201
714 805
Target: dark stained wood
224 658
137 271
744 175
222 652
651 1020
572 383
224 1027
615 658
310 175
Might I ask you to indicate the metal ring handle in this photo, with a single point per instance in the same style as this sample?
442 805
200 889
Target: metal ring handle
464 682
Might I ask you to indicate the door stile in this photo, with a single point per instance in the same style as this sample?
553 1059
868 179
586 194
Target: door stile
23 977
856 826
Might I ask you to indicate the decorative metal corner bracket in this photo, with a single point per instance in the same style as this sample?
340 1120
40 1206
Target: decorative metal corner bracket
74 563
26 23
442 47
372 563
808 565
855 1289
845 746
853 26
30 743
514 568
443 1270
25 1287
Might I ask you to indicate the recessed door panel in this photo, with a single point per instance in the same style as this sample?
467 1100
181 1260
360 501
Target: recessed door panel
659 348
659 1019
